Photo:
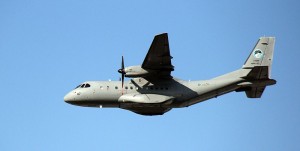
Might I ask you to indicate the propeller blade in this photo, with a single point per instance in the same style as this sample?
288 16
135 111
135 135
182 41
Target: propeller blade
122 63
122 71
122 81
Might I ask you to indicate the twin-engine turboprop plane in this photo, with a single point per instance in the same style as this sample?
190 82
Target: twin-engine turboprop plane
153 91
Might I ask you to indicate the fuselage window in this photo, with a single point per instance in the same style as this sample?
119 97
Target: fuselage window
131 88
116 87
101 87
126 87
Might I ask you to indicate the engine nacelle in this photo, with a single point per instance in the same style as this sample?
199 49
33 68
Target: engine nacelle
135 71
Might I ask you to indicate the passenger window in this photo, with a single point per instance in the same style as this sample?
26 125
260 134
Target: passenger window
126 87
131 88
116 87
101 87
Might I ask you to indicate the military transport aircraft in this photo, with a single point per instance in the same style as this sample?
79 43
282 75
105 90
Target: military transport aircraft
153 91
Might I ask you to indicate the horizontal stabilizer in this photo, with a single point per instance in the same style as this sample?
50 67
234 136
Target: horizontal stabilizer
258 73
255 92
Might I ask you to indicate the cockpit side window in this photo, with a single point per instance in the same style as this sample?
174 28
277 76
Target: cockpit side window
82 86
87 85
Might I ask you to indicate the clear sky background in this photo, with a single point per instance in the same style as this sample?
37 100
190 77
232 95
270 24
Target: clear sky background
49 47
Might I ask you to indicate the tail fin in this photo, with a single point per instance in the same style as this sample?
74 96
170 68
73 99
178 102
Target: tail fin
260 63
262 54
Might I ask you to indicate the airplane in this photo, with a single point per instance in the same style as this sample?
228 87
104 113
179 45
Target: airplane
152 90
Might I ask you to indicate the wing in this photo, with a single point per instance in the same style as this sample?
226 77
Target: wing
158 58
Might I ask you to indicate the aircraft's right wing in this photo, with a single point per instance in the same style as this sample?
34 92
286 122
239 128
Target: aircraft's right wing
158 58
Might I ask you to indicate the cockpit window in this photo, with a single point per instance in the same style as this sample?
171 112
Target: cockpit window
86 85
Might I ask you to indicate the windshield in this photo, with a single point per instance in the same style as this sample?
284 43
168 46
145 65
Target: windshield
85 85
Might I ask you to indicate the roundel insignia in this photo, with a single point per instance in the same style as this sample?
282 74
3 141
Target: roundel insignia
258 53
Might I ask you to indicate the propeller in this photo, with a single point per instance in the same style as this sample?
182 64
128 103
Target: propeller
122 71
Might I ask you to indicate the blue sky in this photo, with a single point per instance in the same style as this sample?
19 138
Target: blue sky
49 47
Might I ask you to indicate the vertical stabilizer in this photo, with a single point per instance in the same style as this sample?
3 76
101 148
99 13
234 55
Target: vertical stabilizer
262 54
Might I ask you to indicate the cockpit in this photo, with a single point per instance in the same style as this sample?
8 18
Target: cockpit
85 85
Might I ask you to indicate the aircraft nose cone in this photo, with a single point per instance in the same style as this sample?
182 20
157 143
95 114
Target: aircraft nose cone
68 98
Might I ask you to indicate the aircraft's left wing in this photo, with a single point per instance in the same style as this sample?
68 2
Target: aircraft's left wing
158 58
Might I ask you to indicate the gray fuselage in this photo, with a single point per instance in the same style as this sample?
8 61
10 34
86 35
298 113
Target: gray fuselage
185 93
